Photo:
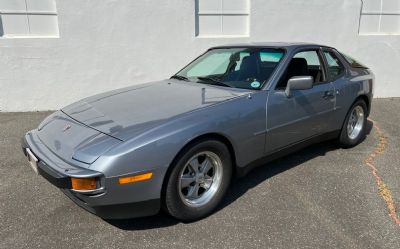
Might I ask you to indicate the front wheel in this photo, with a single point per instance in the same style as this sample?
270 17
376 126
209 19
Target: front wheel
198 181
353 130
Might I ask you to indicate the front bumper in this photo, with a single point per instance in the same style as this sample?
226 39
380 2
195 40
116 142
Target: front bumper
117 211
101 203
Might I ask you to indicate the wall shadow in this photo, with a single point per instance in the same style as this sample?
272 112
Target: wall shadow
1 27
196 14
242 185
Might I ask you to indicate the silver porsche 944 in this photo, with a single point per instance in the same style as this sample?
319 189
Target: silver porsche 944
177 144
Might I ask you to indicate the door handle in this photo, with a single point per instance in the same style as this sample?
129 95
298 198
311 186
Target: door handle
328 95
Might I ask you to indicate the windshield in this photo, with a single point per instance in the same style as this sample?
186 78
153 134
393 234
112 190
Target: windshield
246 68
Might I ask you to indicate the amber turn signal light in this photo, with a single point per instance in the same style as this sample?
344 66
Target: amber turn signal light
83 183
135 178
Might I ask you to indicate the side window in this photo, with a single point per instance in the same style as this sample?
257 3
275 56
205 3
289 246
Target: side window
306 63
311 57
334 67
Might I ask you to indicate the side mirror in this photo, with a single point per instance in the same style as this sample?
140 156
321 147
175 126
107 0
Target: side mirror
298 83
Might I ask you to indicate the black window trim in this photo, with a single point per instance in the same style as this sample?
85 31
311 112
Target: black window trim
323 69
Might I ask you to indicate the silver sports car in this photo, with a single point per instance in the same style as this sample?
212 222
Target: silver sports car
177 144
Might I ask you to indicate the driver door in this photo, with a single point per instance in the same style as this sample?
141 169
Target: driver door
305 114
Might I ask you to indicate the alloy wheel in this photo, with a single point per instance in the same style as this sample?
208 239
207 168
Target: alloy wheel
356 122
200 178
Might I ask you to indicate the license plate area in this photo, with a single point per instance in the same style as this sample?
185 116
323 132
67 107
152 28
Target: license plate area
33 161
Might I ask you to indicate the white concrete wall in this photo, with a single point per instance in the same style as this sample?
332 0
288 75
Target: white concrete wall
110 44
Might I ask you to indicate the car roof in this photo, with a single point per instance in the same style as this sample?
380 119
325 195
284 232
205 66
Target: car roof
271 44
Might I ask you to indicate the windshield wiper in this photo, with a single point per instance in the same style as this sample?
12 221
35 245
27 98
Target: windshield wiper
213 81
179 77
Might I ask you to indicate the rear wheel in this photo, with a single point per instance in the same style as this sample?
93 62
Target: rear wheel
198 181
353 130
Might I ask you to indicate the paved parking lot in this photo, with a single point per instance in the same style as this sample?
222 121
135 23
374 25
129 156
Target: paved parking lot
321 197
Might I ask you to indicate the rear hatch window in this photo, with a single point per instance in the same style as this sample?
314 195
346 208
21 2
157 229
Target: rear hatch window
353 62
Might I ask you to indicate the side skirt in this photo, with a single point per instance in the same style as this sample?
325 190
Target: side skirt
242 171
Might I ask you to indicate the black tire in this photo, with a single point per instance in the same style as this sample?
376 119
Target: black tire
345 140
174 203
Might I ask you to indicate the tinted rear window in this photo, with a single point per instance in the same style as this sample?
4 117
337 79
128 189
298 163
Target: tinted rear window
353 62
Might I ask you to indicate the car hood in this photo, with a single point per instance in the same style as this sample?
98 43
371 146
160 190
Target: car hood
69 139
128 112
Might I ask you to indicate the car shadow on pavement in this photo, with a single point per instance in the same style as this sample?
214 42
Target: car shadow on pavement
240 186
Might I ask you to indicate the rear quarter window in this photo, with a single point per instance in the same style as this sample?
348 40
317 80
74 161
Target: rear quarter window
334 67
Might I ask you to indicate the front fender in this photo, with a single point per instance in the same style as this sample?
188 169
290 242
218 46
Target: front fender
146 153
239 121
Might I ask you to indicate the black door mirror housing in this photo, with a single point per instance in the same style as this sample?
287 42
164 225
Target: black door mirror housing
298 83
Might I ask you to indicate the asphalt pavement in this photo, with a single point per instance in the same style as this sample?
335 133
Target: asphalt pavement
320 197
